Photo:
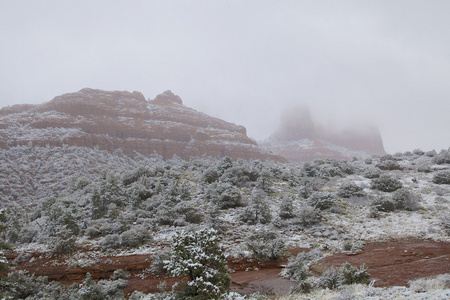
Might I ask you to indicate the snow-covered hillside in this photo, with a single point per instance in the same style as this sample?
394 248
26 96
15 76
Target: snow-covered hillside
64 199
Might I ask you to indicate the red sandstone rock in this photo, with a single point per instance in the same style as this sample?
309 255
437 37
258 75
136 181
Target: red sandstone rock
299 139
126 121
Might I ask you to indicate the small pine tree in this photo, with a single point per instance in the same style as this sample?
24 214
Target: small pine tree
197 254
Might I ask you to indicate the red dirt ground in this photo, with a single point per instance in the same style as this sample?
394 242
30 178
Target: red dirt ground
395 263
389 263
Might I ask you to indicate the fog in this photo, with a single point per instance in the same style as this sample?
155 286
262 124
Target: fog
381 62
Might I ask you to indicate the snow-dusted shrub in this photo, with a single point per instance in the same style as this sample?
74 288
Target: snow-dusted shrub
135 237
386 183
134 175
107 192
431 153
258 211
197 254
327 169
321 200
265 244
176 192
330 279
424 168
159 260
350 189
111 241
210 175
442 158
214 220
264 181
308 185
302 286
297 268
92 232
333 278
63 241
442 177
371 172
223 164
165 214
286 208
23 257
347 167
119 274
3 246
19 285
189 212
352 275
405 199
389 164
225 195
239 176
418 152
307 215
445 223
104 289
423 285
384 204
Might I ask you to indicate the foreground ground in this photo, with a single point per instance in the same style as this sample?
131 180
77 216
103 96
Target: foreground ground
392 263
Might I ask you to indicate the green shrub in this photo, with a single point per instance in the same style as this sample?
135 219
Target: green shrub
265 244
389 164
384 204
333 278
210 175
351 189
352 275
19 285
442 177
297 268
225 195
111 241
371 173
135 237
445 223
302 286
405 199
386 183
63 241
258 211
307 215
321 200
442 158
159 261
286 208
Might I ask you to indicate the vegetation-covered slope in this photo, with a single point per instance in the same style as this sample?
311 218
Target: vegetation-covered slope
63 199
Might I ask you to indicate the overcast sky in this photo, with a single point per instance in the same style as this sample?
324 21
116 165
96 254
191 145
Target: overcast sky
386 62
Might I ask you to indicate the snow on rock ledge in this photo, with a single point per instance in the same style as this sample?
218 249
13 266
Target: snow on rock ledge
112 120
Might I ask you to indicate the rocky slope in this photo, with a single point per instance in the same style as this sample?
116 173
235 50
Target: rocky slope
127 122
300 139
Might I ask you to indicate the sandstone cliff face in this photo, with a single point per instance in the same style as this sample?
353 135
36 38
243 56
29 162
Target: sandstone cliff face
127 122
299 139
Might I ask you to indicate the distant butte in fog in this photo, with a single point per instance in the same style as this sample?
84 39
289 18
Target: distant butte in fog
300 139
126 122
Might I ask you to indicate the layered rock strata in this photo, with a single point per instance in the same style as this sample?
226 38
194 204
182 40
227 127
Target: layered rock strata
128 123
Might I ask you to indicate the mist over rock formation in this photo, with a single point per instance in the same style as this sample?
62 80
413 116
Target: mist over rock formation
126 122
300 139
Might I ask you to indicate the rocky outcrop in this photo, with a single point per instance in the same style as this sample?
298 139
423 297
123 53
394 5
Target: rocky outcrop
299 139
126 122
